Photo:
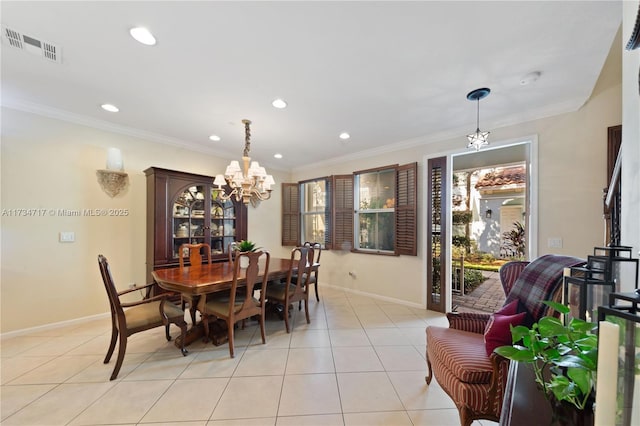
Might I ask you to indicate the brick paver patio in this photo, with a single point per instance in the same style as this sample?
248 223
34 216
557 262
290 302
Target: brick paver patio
487 297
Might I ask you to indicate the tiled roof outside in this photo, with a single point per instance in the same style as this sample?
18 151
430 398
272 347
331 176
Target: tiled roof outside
502 177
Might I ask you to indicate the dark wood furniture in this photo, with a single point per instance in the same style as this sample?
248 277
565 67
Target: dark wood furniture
206 279
315 265
288 292
196 252
211 278
239 305
184 208
524 404
138 316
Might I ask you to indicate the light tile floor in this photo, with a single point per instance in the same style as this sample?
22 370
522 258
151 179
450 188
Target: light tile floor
361 361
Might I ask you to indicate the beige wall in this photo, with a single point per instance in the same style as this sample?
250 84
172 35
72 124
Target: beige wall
51 164
630 138
571 175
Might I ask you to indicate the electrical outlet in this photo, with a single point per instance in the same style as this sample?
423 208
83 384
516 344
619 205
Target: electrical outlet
67 237
554 242
352 274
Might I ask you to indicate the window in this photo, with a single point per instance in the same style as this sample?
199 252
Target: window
375 210
378 206
314 211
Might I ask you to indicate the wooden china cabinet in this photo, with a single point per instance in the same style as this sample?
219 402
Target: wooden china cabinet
185 208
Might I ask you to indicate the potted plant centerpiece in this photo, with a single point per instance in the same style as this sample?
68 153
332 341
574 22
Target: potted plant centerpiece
564 361
242 247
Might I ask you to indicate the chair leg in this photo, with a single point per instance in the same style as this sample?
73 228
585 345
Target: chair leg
112 345
192 312
230 325
286 318
122 347
166 332
183 335
306 309
205 322
429 372
316 287
465 416
264 338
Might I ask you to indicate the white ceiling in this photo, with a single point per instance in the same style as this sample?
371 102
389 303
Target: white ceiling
386 72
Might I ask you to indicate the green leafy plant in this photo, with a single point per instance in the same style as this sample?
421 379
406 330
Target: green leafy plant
513 241
568 352
245 245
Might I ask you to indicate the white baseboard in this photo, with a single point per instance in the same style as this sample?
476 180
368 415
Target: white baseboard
377 296
53 326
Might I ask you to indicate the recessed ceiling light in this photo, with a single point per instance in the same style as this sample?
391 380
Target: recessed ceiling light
278 156
143 35
109 107
214 138
344 136
279 103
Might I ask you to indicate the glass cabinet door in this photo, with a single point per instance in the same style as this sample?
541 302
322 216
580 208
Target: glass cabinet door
189 217
223 224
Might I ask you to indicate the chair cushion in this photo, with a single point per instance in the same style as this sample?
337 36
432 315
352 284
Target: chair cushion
462 352
277 291
498 331
538 281
220 306
148 314
311 280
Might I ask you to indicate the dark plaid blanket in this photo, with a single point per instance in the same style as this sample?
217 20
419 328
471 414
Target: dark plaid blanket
538 281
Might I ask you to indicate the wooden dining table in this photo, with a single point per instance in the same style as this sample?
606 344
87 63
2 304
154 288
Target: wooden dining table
211 278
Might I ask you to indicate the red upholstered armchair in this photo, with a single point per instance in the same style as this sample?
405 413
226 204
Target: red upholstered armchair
457 356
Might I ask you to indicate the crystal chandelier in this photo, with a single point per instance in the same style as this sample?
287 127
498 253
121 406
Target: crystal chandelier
478 139
249 184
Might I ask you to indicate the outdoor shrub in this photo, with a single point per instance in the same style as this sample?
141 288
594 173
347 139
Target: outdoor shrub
462 217
461 241
472 279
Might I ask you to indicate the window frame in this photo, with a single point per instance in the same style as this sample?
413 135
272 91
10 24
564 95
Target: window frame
357 210
326 213
340 212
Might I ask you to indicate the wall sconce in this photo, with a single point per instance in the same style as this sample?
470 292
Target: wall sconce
113 179
488 214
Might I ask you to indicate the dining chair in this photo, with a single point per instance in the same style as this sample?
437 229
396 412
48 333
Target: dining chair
128 318
231 250
195 261
315 264
238 305
291 291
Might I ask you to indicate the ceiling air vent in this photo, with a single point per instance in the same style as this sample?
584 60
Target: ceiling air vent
32 45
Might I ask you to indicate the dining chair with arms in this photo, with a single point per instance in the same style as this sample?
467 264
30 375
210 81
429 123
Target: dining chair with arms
128 318
290 291
239 303
195 260
461 356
